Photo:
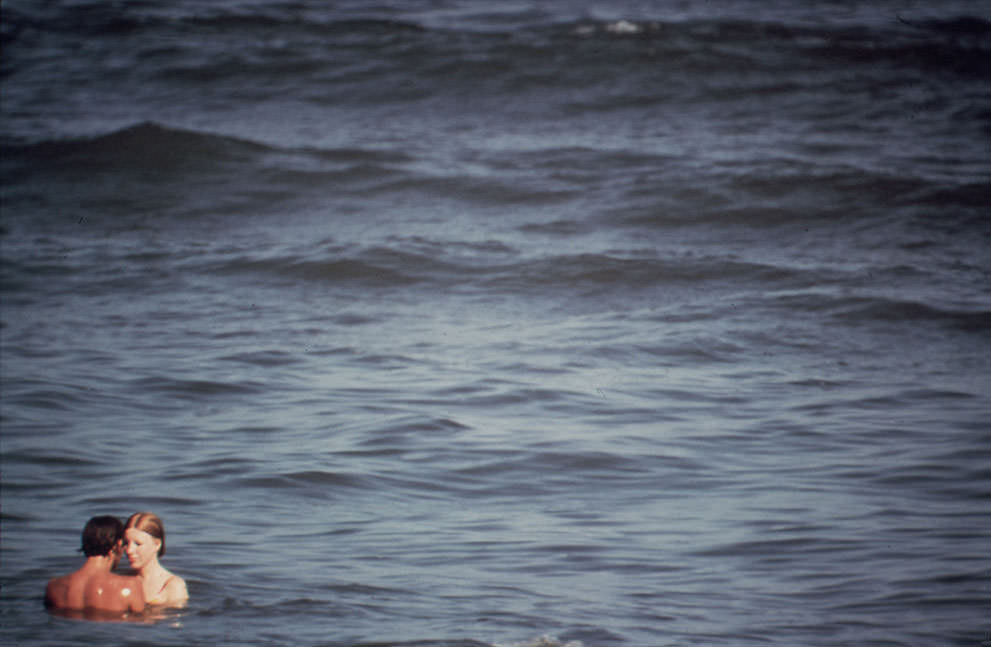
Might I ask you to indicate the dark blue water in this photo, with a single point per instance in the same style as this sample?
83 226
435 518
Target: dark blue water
520 324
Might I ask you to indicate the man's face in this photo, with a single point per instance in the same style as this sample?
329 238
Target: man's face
115 554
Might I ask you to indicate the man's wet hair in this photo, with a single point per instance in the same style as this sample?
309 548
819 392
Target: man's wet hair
101 535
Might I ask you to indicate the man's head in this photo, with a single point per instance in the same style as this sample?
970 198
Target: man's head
101 536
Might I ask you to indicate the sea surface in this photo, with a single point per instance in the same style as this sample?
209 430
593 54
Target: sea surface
450 323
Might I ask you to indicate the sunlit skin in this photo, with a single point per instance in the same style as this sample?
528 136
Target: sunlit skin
161 587
95 590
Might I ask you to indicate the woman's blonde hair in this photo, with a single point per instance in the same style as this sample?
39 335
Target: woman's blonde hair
149 523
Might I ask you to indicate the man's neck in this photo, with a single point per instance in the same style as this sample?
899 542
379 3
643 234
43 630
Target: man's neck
103 563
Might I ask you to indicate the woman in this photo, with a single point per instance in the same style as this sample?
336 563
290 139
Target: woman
144 543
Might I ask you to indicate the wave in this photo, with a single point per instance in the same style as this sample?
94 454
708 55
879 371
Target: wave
530 48
146 160
867 309
309 480
374 267
96 17
395 267
896 310
158 146
147 167
192 389
144 144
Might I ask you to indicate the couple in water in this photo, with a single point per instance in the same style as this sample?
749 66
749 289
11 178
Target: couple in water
95 588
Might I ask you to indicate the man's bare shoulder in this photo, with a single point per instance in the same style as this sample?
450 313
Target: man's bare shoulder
59 582
55 592
123 585
128 589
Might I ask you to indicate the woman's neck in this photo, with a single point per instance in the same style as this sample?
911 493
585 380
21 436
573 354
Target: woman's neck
151 570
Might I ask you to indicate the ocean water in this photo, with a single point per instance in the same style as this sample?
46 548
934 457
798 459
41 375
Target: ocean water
468 324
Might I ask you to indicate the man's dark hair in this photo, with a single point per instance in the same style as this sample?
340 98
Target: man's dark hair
100 535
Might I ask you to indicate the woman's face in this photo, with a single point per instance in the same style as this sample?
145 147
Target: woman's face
140 547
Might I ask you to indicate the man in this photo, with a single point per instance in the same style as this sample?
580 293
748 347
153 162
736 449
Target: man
93 587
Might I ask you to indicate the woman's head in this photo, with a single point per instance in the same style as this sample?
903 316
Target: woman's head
148 523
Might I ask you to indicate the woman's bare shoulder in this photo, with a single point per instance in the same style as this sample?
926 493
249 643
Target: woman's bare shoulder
175 589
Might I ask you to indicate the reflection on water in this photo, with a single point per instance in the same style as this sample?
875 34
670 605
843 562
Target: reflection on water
151 615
